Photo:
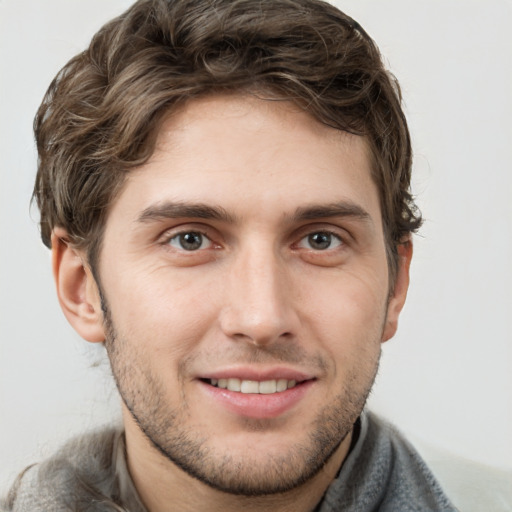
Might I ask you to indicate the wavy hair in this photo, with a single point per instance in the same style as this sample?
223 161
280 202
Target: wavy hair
100 115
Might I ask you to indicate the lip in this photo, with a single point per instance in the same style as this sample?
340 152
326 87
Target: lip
247 373
257 406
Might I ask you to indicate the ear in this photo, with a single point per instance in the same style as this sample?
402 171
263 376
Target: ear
397 299
76 288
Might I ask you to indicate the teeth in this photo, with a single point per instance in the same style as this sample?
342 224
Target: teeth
250 386
234 384
266 387
281 385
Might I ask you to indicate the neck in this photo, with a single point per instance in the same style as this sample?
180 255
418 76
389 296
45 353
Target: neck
159 482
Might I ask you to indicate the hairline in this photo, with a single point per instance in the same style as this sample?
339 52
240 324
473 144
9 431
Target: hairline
93 247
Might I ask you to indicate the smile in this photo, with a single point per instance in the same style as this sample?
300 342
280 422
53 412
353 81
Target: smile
265 387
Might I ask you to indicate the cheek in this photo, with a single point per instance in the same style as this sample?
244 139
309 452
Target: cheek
347 312
160 309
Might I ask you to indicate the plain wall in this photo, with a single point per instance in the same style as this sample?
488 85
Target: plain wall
446 378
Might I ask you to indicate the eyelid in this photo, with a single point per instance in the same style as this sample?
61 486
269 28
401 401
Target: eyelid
317 227
189 227
175 241
336 236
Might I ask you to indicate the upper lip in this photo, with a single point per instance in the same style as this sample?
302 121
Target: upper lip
258 374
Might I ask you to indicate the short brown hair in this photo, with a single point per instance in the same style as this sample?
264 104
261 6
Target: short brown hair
100 115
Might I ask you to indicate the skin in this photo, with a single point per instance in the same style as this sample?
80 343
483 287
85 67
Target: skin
290 277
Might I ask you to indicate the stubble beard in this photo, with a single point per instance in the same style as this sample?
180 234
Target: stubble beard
236 474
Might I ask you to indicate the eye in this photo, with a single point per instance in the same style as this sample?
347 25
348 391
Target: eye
190 241
320 241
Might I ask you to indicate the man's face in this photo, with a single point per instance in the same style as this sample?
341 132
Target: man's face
247 253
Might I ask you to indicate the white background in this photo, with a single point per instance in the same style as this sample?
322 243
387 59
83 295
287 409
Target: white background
446 378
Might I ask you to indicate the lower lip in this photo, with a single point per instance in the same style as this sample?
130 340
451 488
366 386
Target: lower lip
258 406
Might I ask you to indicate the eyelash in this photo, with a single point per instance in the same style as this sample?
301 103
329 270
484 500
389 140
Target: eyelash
333 238
305 237
181 234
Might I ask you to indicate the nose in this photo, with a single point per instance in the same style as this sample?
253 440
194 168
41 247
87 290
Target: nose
258 301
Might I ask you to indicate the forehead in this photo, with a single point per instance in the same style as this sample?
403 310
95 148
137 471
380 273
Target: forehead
250 156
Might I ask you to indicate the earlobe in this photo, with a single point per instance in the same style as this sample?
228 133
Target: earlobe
76 289
397 299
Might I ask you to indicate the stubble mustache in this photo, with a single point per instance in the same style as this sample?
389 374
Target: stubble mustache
288 353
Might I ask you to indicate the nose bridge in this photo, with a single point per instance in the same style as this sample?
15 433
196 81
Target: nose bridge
258 303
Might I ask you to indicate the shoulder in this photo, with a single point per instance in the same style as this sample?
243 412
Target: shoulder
82 470
411 485
384 472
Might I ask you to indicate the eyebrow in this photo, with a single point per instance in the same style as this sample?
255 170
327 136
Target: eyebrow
177 210
340 209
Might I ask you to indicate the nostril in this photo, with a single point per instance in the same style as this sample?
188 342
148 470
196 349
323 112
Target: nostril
258 325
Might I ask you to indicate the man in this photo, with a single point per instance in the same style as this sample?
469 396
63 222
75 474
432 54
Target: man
225 189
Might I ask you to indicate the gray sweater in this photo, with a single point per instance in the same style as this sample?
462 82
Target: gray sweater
89 474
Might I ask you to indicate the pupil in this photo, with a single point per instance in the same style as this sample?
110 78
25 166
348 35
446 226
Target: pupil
320 240
191 241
